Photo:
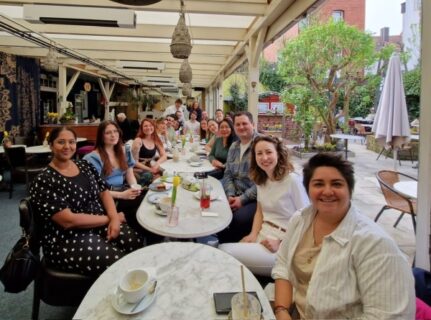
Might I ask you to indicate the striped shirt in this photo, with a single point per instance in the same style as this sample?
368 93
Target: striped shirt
360 273
236 180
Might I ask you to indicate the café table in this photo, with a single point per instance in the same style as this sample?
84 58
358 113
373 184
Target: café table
346 138
407 188
187 276
184 164
191 223
40 149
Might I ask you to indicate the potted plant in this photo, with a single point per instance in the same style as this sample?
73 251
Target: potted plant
68 117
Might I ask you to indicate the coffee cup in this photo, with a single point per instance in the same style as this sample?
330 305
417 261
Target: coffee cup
134 285
136 186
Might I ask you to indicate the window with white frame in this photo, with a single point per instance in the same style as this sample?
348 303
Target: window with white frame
338 15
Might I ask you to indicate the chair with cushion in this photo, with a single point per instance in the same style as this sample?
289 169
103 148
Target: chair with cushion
394 199
54 287
19 163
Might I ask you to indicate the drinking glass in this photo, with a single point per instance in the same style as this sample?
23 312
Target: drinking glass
205 200
242 311
172 217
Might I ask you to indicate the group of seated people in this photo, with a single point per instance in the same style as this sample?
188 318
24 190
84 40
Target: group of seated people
328 260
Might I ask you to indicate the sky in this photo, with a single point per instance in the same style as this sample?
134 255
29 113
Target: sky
383 13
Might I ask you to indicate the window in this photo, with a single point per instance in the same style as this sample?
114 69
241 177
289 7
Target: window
338 15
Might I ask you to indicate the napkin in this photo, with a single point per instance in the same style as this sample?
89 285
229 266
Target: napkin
209 214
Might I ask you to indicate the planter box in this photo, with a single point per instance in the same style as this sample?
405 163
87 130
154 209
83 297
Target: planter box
402 154
308 155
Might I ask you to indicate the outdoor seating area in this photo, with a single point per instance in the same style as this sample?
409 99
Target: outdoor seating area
214 159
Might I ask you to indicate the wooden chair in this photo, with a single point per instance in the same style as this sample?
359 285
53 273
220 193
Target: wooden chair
360 131
394 199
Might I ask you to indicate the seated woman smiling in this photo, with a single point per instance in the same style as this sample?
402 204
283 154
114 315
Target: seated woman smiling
114 163
336 263
81 229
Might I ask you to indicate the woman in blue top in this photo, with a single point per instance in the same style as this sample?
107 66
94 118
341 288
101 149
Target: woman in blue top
115 163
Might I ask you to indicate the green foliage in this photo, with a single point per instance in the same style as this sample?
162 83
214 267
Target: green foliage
363 98
326 59
238 103
269 77
412 89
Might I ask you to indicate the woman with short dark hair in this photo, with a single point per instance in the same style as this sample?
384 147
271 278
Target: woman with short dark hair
336 263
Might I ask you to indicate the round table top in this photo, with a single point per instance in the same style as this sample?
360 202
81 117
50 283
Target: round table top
187 276
407 188
183 165
191 223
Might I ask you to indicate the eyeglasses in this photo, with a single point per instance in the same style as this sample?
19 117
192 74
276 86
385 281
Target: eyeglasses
111 132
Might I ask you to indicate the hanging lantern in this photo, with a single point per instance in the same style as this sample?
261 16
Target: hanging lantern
187 89
136 2
186 72
50 62
181 45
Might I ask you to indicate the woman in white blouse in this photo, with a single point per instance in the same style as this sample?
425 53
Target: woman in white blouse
336 263
279 195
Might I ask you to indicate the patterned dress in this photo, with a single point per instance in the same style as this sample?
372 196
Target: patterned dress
85 251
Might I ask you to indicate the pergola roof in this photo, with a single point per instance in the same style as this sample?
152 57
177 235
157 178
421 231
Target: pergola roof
221 30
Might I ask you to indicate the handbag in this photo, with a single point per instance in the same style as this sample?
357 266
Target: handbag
20 266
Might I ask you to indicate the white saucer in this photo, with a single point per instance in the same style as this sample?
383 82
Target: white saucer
195 164
123 307
155 197
160 212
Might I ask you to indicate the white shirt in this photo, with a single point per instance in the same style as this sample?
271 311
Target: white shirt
360 273
192 127
279 200
172 109
243 148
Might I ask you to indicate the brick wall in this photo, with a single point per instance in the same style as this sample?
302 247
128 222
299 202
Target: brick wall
354 14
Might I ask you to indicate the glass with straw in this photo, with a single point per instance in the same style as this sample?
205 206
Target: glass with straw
173 212
245 306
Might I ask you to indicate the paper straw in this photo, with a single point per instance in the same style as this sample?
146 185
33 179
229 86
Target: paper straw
244 295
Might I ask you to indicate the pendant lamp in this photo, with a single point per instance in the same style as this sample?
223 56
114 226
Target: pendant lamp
136 2
181 44
186 72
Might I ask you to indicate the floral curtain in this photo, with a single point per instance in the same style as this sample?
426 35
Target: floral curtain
19 94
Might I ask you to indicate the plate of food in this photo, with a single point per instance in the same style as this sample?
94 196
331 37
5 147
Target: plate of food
191 186
159 186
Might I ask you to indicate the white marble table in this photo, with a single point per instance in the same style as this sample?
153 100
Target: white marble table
346 138
407 188
191 224
40 149
187 276
183 164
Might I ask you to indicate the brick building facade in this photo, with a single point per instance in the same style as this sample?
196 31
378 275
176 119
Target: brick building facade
352 11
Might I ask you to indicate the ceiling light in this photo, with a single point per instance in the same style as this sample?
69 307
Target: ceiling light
136 2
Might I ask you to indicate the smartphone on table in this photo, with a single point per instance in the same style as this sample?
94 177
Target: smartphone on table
222 301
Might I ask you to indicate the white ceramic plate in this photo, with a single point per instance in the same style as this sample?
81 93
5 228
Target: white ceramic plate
153 187
213 195
195 164
201 152
155 197
160 212
121 306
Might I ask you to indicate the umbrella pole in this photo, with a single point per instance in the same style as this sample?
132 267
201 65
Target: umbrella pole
396 159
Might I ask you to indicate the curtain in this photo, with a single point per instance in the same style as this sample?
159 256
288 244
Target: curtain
19 95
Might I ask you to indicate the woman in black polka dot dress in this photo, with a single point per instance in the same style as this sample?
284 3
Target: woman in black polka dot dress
81 229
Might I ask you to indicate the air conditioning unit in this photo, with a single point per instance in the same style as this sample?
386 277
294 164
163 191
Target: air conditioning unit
142 65
85 16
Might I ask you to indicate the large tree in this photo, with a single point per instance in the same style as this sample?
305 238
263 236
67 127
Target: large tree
326 59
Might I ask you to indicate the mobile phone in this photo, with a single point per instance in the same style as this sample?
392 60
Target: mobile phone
222 301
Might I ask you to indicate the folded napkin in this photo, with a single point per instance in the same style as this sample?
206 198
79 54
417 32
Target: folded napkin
209 214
